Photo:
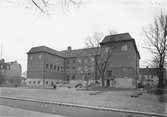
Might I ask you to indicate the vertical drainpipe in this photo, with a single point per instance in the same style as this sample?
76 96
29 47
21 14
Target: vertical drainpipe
44 71
136 71
64 70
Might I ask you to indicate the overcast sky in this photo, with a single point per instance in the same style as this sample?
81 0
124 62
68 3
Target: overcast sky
23 28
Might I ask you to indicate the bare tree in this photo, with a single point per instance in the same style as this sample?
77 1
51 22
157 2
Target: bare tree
157 44
102 55
44 6
103 61
2 78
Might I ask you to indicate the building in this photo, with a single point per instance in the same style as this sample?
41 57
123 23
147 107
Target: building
11 71
149 76
47 67
124 64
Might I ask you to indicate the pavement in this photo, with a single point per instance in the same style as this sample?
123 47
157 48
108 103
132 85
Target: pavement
110 99
6 111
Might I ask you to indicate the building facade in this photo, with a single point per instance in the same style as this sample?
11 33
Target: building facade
149 76
123 70
47 67
11 71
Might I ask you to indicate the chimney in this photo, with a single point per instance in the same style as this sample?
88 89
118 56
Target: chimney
69 48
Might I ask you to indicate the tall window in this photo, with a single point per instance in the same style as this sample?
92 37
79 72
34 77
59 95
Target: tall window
68 61
58 68
51 66
73 61
47 66
73 77
68 77
31 57
109 73
54 67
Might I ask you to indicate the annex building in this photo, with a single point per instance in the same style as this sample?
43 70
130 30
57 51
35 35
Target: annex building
47 66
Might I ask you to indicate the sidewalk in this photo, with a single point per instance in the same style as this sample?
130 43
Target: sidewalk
6 111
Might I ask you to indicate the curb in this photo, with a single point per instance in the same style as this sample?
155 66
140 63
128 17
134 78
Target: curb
89 107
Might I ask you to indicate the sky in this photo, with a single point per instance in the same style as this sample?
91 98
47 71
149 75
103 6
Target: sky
23 27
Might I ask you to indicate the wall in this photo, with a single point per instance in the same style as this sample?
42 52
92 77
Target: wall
124 61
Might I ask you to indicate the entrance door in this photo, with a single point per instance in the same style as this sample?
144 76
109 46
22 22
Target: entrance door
107 83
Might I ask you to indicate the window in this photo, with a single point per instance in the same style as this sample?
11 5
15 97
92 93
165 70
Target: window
73 61
68 61
79 60
68 77
38 82
79 68
124 48
47 66
92 59
29 82
106 49
86 60
40 57
109 73
51 66
61 67
73 68
54 67
73 77
58 68
31 57
34 82
47 82
8 67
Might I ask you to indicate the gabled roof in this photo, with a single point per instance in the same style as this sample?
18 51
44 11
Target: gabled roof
79 52
45 49
119 38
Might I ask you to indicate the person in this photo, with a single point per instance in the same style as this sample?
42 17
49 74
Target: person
53 85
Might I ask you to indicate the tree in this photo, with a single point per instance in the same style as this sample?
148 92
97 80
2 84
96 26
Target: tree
103 61
157 44
102 55
44 6
2 78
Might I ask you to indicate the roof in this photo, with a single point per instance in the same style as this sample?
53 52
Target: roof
119 38
148 71
80 52
116 38
44 49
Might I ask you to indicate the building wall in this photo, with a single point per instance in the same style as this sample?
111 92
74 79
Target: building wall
14 71
124 61
55 69
35 65
77 67
44 68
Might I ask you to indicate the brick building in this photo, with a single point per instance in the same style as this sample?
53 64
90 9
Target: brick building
47 66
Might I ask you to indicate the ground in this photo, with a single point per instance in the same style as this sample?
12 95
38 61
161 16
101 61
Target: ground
6 111
120 99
